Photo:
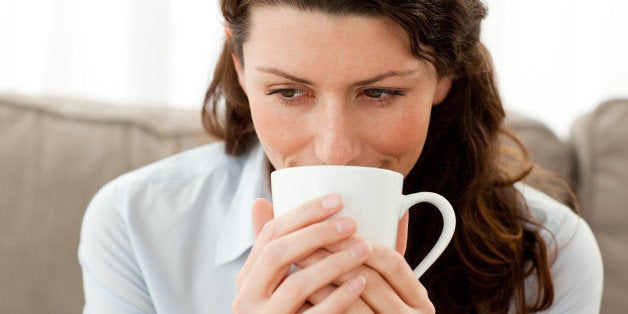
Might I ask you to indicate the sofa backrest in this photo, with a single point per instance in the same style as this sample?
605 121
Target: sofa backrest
54 155
600 140
549 153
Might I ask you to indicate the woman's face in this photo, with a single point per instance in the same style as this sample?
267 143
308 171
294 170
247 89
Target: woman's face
336 90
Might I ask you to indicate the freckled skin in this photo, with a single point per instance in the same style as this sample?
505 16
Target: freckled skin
330 120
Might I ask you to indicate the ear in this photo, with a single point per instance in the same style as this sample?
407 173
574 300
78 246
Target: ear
442 89
236 61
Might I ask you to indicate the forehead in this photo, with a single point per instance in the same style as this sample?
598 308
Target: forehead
292 38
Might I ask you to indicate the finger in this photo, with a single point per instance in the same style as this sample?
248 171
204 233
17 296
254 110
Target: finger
358 306
378 294
310 212
303 283
262 213
391 266
342 299
304 308
277 256
402 234
328 250
391 280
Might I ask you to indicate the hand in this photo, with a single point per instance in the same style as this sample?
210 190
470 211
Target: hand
263 283
391 284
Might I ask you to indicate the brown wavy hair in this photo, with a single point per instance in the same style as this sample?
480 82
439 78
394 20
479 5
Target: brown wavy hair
496 244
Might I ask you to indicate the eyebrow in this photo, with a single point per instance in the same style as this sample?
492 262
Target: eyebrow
368 81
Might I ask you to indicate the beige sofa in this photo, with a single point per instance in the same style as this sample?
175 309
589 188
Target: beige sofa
56 153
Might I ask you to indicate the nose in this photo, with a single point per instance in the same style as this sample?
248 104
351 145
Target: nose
337 135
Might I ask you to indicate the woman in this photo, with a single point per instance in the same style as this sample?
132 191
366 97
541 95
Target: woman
405 86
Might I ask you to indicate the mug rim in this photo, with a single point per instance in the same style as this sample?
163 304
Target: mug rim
348 168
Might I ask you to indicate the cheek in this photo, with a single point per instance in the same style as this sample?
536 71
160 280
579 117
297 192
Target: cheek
278 132
405 136
263 118
412 130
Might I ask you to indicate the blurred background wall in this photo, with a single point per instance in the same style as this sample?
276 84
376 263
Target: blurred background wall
554 59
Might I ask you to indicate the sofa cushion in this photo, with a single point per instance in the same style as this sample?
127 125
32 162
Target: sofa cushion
601 142
54 155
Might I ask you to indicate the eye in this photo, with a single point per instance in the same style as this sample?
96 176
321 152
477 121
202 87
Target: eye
379 93
381 96
286 92
375 93
288 96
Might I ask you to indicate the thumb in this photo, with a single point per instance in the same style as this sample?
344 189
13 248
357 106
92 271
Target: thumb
262 213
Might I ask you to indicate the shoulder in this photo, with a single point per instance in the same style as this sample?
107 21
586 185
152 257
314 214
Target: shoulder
573 252
176 184
165 176
143 231
140 224
177 174
559 222
560 225
193 163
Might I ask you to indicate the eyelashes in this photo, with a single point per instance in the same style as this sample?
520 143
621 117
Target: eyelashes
286 92
287 96
374 96
377 93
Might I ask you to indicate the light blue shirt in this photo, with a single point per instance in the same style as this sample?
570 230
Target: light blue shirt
171 237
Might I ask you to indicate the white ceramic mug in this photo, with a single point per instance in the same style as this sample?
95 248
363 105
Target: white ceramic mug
372 196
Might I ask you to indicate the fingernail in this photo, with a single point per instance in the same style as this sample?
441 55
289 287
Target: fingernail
360 249
356 284
331 201
345 225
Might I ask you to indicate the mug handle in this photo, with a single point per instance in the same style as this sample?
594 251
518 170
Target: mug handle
449 225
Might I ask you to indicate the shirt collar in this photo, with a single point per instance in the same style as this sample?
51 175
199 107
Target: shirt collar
237 236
